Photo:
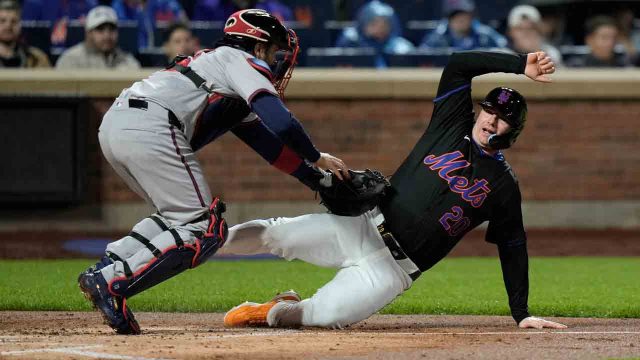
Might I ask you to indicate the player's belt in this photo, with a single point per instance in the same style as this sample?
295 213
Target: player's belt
396 251
144 105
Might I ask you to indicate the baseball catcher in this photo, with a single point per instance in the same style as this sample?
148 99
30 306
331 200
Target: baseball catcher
454 179
150 136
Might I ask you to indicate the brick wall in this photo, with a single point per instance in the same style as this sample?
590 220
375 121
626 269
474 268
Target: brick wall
570 150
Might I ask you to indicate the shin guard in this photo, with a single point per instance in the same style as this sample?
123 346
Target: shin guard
177 258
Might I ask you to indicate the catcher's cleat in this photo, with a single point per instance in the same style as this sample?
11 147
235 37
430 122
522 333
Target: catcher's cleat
254 314
114 309
104 262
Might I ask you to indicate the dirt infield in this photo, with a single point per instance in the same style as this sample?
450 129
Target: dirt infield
78 335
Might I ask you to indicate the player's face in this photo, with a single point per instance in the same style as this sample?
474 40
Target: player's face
460 23
487 124
267 54
180 42
9 26
104 37
525 37
379 28
602 41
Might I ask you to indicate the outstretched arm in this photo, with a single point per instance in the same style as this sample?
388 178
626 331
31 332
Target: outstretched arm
515 272
506 230
453 102
275 115
263 141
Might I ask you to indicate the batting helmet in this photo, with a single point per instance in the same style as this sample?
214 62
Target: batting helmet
510 106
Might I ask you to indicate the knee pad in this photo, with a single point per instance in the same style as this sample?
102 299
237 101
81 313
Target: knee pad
175 259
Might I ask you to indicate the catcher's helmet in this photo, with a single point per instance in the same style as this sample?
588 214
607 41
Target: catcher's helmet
246 27
510 106
258 25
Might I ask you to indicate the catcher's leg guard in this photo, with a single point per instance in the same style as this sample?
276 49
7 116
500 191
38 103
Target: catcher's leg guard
175 259
148 228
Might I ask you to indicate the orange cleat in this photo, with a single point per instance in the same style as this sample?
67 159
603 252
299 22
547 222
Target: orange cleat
254 314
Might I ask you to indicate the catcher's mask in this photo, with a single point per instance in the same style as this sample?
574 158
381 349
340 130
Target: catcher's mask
256 25
510 106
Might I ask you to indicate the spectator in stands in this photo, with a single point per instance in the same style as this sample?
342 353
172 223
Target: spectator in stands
13 53
178 40
149 13
523 30
601 36
628 34
220 10
100 49
377 27
461 31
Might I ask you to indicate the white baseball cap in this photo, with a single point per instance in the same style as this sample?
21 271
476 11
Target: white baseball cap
100 15
521 13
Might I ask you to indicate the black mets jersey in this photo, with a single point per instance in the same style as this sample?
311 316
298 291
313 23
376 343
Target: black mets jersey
448 185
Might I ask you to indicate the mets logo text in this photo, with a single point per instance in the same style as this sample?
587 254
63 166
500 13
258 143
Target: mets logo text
475 194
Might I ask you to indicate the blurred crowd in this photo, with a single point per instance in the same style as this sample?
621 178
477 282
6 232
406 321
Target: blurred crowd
75 34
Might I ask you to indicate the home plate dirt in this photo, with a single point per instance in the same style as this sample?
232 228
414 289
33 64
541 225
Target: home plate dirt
81 335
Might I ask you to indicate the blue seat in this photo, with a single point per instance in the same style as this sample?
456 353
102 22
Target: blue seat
37 33
340 57
335 28
420 58
152 57
415 30
75 33
207 32
128 36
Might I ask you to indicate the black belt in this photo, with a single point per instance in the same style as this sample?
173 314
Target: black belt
144 105
395 249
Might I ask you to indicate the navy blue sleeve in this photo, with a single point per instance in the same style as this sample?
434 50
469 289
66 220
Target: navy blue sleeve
275 115
515 273
263 141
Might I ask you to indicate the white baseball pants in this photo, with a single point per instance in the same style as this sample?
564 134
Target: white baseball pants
369 278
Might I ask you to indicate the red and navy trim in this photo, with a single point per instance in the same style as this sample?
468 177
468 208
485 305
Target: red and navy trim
288 161
187 167
262 67
237 25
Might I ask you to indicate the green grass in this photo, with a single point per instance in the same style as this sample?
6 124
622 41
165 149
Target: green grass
571 286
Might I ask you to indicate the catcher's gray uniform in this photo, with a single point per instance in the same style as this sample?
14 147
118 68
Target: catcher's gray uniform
145 137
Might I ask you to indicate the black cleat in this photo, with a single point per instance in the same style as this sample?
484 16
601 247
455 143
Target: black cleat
114 309
104 262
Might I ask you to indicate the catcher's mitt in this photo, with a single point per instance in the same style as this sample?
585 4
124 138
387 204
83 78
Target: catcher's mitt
354 196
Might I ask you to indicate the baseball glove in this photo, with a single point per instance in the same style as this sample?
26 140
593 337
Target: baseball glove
354 196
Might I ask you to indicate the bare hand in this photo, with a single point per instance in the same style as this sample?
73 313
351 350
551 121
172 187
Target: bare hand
539 65
538 323
331 163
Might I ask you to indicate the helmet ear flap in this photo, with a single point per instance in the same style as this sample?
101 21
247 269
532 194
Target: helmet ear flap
499 142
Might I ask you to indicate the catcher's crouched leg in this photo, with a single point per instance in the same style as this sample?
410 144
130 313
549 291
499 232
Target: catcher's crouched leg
187 250
181 250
